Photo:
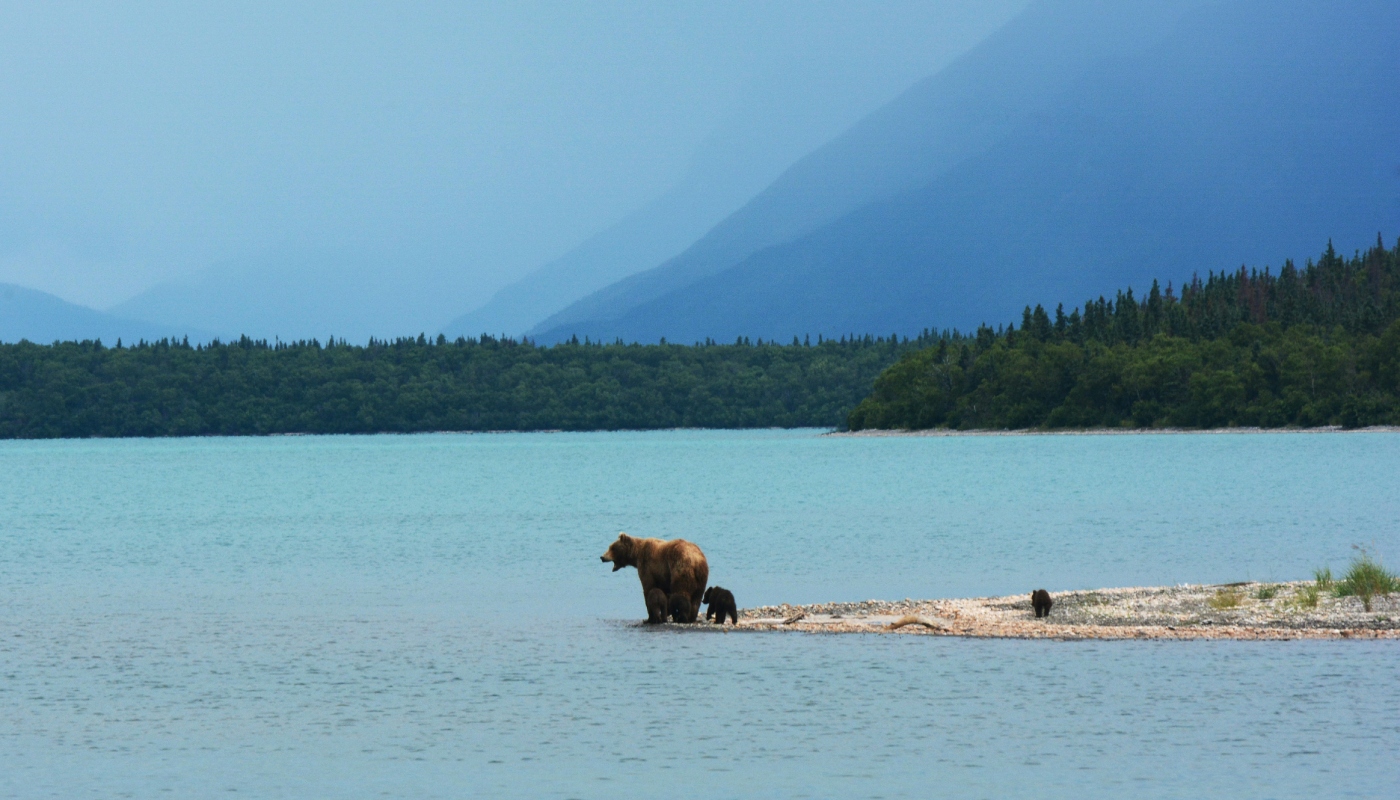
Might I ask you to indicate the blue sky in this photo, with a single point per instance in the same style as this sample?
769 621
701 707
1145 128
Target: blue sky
146 142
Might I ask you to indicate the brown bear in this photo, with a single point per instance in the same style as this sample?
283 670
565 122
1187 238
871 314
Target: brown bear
1041 602
721 604
674 567
656 606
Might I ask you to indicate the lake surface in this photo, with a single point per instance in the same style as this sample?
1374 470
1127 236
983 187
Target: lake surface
426 616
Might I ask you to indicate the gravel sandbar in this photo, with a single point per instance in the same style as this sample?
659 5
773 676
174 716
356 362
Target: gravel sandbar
1215 611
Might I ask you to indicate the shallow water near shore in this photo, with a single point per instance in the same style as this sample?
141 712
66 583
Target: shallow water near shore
426 616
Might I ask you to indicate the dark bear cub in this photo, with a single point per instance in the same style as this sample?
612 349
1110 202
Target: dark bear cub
680 608
1041 602
656 606
721 604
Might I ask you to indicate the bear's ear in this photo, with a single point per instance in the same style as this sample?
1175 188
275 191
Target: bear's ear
622 536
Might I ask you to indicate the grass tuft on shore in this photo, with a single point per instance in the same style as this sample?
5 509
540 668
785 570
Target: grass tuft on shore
1323 576
1226 598
1307 596
1366 579
1266 591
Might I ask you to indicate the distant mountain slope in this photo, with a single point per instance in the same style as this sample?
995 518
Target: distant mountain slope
762 135
43 318
291 292
939 123
1248 133
637 242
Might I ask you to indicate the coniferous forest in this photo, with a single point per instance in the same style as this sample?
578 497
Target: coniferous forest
1304 347
409 385
1310 346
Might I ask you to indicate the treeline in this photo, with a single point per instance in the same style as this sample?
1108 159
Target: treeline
408 385
1313 346
1308 347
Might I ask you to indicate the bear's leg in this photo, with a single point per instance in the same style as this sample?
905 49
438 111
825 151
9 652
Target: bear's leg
681 608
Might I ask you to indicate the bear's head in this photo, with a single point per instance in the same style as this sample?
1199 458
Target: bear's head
621 552
709 593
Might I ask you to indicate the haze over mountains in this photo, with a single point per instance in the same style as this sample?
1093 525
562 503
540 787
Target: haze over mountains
736 163
298 171
943 120
1085 147
42 318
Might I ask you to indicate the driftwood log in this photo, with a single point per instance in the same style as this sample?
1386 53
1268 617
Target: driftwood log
911 619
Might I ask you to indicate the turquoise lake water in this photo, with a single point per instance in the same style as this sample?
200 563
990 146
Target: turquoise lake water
426 616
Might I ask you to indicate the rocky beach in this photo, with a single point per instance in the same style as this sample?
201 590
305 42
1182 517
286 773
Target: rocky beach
1250 610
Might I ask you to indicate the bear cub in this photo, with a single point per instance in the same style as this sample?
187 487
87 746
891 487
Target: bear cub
1040 600
656 606
721 604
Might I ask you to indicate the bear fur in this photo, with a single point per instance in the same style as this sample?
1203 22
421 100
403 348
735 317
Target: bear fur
674 567
656 606
721 604
680 608
1041 602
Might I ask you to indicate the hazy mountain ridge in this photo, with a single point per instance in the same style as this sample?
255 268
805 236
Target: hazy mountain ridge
1248 134
321 289
939 123
42 318
714 186
744 155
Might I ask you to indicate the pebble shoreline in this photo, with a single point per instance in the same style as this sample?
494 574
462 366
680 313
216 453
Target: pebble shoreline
1260 611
